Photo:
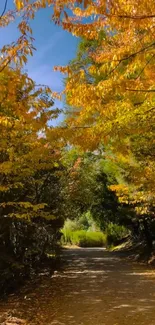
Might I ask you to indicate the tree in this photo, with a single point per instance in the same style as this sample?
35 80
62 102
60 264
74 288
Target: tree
30 189
125 56
77 182
130 146
112 92
87 188
25 150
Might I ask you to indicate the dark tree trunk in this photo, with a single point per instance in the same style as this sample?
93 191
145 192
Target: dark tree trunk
148 235
136 228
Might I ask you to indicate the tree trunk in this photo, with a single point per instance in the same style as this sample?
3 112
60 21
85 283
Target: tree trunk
136 228
148 235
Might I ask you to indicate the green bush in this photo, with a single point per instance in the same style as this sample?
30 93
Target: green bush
73 233
72 225
95 239
83 238
115 233
79 238
86 222
69 227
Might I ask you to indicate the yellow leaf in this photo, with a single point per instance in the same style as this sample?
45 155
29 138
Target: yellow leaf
19 4
24 59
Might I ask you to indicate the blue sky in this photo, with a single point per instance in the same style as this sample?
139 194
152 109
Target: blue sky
54 47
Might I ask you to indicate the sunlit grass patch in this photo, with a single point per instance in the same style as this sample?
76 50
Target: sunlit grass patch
83 238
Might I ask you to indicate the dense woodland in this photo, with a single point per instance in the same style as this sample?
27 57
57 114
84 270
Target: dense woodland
99 163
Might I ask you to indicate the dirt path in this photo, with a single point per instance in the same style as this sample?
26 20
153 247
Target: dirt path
95 287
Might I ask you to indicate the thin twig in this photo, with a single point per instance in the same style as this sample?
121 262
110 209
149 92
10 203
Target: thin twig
145 66
141 90
134 54
74 127
133 17
5 6
148 111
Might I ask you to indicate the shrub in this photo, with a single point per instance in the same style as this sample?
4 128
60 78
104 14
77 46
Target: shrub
115 233
79 238
69 227
83 238
86 222
95 239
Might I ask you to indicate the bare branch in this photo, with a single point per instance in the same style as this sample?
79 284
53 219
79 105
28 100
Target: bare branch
5 6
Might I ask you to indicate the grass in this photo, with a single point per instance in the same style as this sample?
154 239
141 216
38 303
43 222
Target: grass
112 235
83 238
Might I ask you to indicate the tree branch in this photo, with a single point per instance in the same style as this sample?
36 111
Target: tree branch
113 70
5 65
135 17
74 127
145 66
3 12
139 103
147 111
134 54
141 90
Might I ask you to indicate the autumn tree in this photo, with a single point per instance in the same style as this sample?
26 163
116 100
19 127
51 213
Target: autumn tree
129 147
125 56
25 150
30 190
113 98
86 188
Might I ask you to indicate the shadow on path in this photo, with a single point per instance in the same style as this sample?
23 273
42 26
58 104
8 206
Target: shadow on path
94 287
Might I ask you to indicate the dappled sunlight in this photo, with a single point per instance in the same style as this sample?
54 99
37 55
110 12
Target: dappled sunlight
148 273
85 271
94 287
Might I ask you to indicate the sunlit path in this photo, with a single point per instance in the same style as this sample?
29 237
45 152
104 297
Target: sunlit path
95 287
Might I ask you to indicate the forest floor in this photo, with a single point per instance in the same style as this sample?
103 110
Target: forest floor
93 287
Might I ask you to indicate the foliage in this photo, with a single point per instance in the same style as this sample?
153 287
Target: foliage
69 227
84 222
109 93
78 182
115 233
87 222
127 149
26 156
86 189
131 149
30 190
105 205
83 238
